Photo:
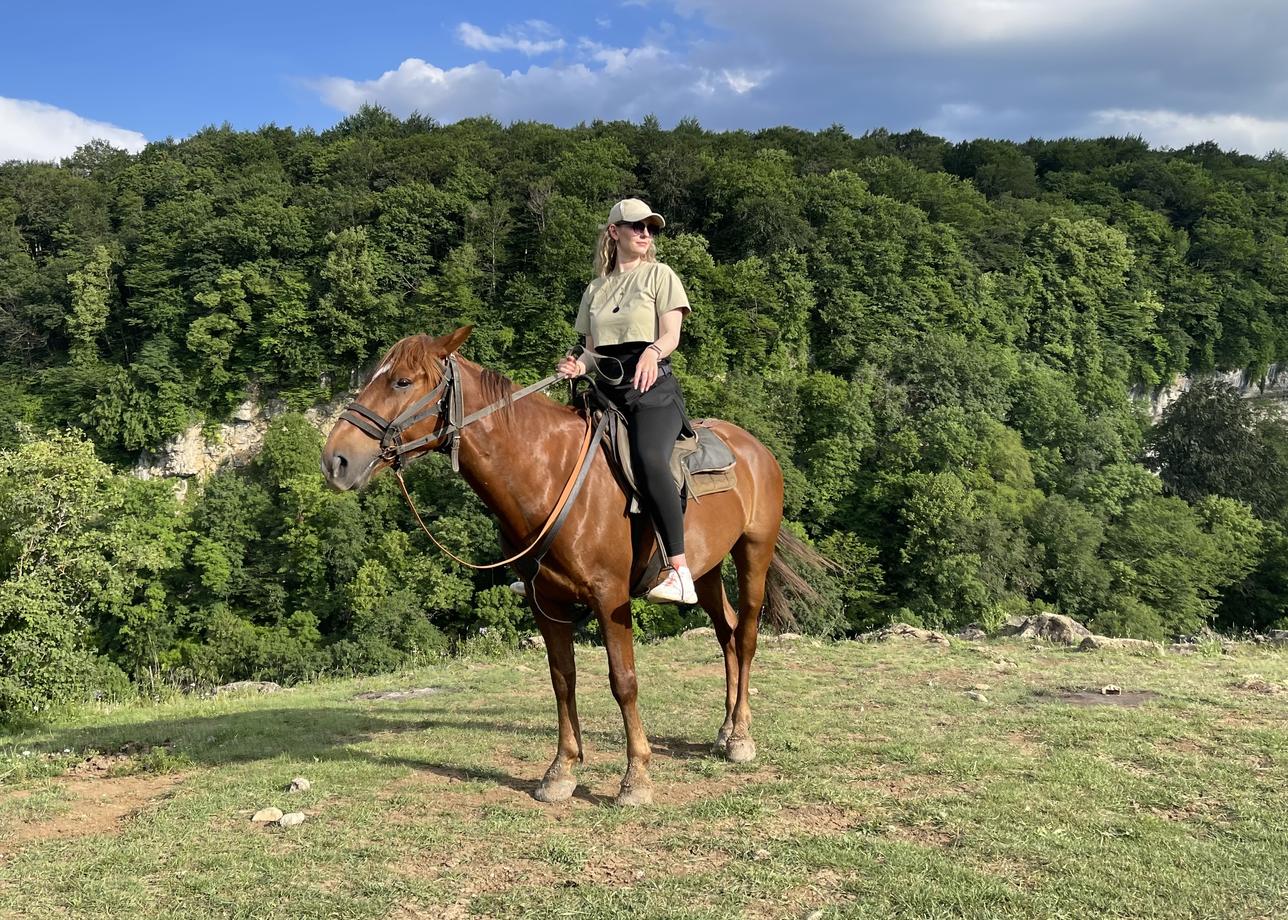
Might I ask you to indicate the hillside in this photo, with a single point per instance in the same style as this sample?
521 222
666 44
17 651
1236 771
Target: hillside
936 340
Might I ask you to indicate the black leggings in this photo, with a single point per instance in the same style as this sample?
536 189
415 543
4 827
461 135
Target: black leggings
656 419
653 434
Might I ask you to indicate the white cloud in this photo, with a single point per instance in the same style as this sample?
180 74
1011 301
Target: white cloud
1161 127
32 130
533 38
609 83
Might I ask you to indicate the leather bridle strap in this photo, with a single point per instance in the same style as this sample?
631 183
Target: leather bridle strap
563 505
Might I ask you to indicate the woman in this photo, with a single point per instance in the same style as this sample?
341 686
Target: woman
630 315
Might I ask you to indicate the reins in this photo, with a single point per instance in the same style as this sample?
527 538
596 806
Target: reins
448 391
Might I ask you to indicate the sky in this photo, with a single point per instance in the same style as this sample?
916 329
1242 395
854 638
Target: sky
1175 72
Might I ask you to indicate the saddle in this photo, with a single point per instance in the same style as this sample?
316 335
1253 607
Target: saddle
701 463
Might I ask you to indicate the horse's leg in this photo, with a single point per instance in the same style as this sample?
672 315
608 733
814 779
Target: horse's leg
711 595
559 782
637 786
752 558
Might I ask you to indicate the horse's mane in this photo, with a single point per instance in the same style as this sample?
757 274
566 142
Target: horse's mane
415 350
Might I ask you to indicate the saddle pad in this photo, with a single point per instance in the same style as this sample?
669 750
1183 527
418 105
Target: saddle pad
701 464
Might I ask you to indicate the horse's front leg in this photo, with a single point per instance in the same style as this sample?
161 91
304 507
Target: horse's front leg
615 622
559 782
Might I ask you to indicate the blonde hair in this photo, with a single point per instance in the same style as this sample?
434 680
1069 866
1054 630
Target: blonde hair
606 252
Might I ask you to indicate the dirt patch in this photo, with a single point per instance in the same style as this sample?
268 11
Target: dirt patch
95 806
1128 698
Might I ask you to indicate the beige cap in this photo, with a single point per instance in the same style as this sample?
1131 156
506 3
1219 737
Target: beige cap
629 210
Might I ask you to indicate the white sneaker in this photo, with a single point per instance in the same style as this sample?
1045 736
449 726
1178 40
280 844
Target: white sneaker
519 588
677 588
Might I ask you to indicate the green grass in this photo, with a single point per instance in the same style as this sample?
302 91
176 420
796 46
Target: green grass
880 790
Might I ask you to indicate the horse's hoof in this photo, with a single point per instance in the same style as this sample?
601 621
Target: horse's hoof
634 796
741 750
558 790
722 740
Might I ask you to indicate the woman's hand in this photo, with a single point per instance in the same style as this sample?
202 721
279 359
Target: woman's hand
646 370
571 367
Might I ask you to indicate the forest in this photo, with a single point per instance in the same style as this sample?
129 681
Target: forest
937 340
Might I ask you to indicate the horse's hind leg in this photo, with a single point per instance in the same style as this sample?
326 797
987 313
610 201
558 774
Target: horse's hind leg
559 782
711 595
751 557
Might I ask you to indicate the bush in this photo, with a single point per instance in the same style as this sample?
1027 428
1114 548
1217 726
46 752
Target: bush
43 654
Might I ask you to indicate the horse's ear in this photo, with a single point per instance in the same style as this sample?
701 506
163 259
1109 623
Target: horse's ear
449 343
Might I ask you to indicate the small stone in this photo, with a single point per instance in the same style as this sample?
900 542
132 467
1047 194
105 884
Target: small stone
981 687
1111 690
698 632
291 820
760 855
976 696
814 915
299 784
267 815
639 873
753 691
537 641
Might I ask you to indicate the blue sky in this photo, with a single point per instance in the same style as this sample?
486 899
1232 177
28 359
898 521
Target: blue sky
1173 71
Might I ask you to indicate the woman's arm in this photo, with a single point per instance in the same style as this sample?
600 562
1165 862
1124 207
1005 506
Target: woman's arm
667 341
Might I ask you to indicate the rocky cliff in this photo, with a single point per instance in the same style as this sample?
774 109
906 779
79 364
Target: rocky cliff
199 451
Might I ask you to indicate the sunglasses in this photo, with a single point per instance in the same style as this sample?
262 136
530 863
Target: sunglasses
639 226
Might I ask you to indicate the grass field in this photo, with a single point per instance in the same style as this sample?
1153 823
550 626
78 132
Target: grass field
882 789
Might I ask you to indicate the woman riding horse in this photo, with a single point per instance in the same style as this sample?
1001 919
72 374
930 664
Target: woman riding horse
631 314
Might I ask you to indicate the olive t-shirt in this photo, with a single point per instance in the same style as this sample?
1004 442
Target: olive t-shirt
625 307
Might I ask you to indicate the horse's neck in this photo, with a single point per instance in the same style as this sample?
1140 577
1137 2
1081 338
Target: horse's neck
518 459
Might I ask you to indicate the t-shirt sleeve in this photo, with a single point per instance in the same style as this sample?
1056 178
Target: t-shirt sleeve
670 293
582 324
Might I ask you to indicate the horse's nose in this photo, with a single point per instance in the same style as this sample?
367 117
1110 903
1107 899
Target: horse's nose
334 470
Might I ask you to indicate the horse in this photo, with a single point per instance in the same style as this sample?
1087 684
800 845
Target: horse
516 456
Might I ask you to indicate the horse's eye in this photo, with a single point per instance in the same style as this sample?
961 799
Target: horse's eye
403 383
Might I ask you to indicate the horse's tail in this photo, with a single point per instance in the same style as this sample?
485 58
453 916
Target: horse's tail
785 585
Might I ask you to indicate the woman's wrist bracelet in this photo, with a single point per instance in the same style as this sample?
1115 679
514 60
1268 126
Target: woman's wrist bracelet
653 345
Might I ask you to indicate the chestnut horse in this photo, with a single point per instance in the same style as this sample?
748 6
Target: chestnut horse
518 460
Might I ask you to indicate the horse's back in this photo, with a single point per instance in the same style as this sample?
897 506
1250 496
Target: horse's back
759 489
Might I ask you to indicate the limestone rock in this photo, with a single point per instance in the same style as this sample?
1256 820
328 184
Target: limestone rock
267 815
904 631
291 820
1095 643
249 686
1053 627
299 784
537 641
199 451
698 632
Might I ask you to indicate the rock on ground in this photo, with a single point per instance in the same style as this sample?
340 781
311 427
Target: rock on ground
299 784
256 686
698 632
1095 643
291 820
267 815
904 631
1053 627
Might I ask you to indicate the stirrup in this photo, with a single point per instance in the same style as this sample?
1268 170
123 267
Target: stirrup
676 588
519 588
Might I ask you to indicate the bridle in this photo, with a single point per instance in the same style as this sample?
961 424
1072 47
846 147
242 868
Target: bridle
446 402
